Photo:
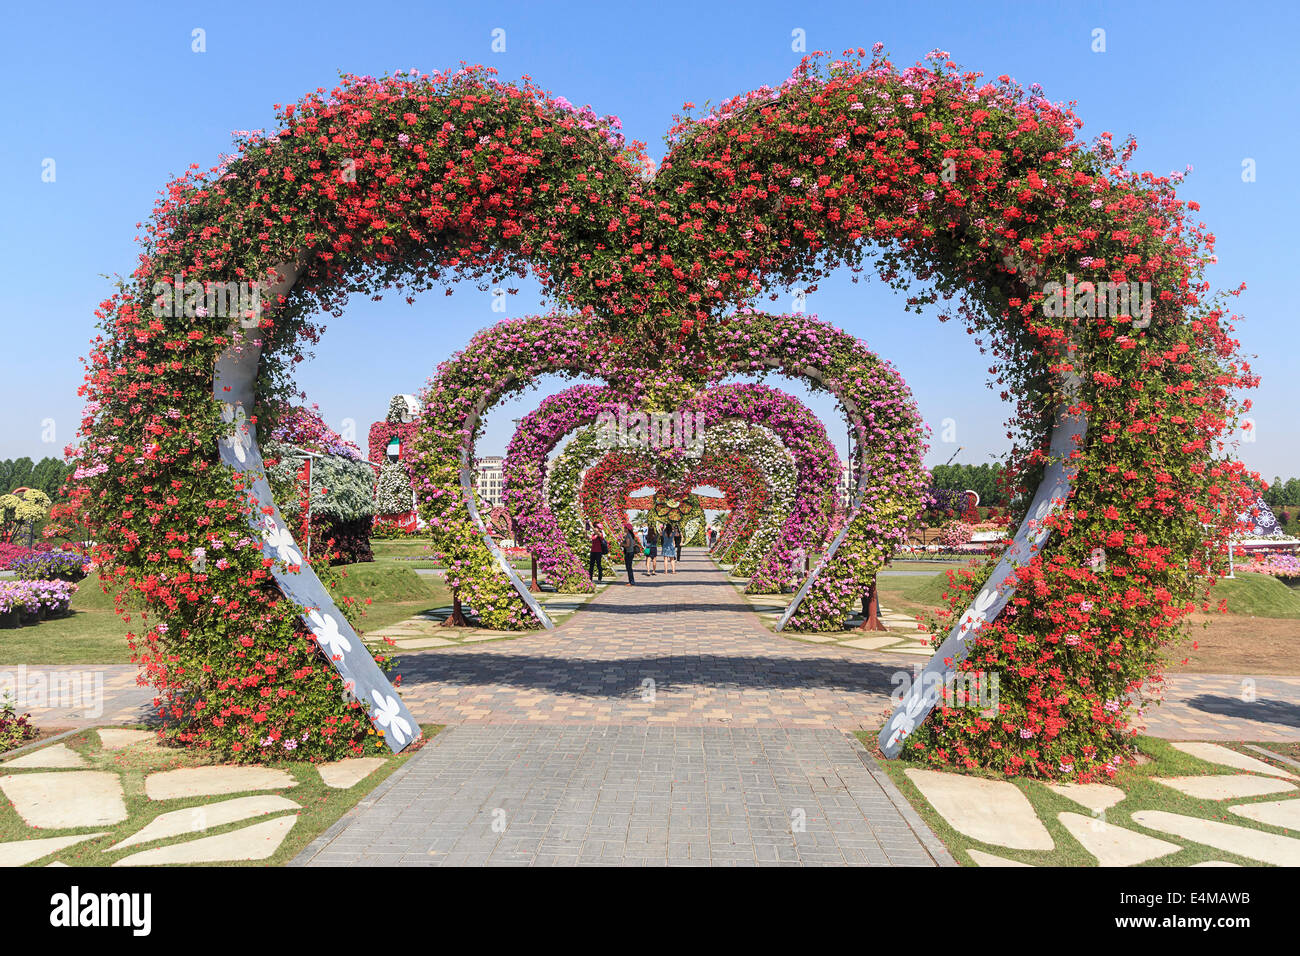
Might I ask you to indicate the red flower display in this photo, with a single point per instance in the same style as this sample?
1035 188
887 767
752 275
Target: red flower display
973 193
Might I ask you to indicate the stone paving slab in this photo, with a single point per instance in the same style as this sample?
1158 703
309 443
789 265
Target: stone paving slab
1274 813
255 842
1225 786
63 799
1255 844
56 756
540 795
1113 845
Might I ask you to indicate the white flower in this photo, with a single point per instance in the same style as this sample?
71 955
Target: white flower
326 629
386 715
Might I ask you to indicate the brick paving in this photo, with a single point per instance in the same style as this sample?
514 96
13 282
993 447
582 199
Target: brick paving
77 695
712 663
675 650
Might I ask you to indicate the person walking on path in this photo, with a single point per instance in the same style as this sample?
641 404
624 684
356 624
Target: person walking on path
677 544
596 559
669 537
651 548
631 547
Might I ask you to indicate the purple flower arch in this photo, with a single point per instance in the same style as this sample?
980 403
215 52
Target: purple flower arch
605 489
817 468
510 356
524 471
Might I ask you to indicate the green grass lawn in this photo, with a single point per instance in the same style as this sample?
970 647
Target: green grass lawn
936 564
94 634
1257 595
390 550
1248 594
1141 793
321 805
398 552
395 591
91 634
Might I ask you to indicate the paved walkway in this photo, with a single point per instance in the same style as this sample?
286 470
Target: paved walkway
679 650
545 795
661 724
701 659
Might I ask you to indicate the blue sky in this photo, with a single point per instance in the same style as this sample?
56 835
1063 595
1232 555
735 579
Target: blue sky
114 94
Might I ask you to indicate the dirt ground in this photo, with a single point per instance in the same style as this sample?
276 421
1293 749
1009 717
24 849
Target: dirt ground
1232 644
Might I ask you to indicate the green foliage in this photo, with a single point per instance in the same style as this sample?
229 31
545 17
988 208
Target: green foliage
46 475
19 513
981 479
341 486
14 727
1282 493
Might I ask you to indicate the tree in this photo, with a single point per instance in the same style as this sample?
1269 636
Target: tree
1291 495
49 475
20 512
18 474
984 480
1273 497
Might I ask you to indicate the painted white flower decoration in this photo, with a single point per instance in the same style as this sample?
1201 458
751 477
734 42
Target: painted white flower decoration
978 614
242 439
387 715
281 541
326 629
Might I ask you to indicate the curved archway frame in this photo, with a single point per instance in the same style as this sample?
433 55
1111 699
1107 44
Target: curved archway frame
234 386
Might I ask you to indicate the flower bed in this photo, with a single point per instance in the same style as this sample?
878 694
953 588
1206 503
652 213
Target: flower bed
27 602
15 728
9 553
1285 567
385 529
51 566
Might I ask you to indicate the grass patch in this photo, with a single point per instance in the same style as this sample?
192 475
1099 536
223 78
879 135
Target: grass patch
401 552
94 634
321 805
1141 792
1248 595
395 593
930 565
1257 595
91 634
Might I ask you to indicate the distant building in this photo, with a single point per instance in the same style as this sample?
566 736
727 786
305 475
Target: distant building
846 482
488 479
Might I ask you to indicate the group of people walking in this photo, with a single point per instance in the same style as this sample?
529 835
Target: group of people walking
666 538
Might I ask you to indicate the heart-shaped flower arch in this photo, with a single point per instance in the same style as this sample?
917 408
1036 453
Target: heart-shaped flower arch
747 462
586 480
802 434
978 188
